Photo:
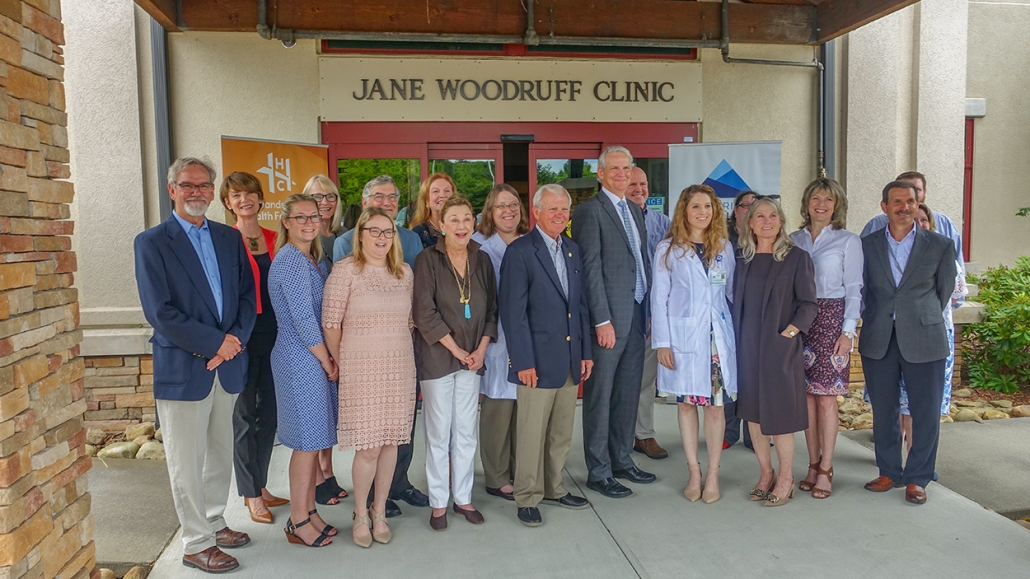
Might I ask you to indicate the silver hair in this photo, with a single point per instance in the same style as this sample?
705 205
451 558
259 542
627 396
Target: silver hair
602 159
554 189
181 163
380 180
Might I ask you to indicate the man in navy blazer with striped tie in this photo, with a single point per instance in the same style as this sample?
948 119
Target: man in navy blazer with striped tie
543 311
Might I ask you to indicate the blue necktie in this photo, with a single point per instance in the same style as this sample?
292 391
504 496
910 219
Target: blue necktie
634 245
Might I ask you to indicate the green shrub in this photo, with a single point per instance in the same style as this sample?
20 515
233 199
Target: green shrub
997 349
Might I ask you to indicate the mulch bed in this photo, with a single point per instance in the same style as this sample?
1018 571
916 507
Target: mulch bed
1018 398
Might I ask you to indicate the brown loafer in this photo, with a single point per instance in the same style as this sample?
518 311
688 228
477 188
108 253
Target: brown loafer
915 494
211 560
230 539
881 484
438 523
649 447
473 516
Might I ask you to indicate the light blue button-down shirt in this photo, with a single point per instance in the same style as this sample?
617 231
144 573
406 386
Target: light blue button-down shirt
657 225
554 249
200 238
898 252
945 226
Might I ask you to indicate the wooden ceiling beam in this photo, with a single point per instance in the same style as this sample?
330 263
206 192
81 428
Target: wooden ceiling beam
838 17
645 19
161 10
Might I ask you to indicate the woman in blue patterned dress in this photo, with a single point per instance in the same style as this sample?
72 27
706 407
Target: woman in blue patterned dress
304 371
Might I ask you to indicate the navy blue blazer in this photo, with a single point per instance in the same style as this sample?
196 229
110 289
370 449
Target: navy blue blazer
178 303
543 329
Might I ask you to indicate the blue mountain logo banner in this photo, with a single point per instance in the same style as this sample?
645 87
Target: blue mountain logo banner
725 180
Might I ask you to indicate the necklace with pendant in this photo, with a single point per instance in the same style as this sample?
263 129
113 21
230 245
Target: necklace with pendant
252 242
464 287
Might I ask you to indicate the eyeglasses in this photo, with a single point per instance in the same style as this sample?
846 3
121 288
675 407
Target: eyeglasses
380 198
320 197
304 219
189 188
508 207
376 232
744 205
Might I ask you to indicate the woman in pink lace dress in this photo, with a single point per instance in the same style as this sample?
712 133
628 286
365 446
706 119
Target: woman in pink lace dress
366 318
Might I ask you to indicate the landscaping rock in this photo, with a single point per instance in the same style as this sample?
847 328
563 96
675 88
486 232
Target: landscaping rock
158 436
968 404
152 450
136 573
119 450
142 429
962 393
95 436
1020 411
862 422
90 450
966 415
1003 404
994 414
107 574
141 440
852 407
946 419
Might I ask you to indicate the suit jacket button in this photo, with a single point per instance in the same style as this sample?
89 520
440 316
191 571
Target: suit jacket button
568 338
570 315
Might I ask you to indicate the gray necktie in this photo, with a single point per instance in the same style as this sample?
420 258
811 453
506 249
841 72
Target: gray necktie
559 266
634 245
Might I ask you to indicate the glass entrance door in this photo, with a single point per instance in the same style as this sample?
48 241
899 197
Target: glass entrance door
573 166
475 168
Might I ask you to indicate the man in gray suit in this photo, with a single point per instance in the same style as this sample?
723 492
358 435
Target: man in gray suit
909 275
617 273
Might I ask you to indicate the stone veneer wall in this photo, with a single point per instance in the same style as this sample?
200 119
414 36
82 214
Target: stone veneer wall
46 529
119 392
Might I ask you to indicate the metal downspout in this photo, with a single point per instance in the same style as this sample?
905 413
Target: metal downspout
162 111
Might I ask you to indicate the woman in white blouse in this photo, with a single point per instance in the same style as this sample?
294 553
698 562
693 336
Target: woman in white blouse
692 329
837 255
504 220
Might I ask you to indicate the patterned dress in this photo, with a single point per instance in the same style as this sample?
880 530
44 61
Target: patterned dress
825 373
306 399
377 361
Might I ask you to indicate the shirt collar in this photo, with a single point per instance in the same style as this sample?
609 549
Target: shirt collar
552 244
908 236
614 198
186 225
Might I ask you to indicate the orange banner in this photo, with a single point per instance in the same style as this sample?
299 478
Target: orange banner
282 168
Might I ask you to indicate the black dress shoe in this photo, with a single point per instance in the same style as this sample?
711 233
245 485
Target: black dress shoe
412 496
500 493
609 487
530 516
392 510
570 501
634 474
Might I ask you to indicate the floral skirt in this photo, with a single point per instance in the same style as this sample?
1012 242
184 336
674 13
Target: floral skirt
719 397
826 374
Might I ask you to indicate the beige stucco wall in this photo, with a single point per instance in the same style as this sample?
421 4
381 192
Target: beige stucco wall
999 71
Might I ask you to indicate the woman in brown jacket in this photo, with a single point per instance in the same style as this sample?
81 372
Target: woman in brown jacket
773 303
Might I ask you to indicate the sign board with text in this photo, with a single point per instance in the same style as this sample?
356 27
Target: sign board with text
456 89
283 169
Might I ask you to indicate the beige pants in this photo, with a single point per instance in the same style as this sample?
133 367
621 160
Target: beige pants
544 435
497 440
198 443
645 408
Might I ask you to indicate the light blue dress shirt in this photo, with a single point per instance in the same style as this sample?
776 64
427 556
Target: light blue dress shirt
200 238
945 226
657 225
554 249
898 252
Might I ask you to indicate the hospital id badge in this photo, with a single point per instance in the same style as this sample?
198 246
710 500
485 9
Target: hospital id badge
717 276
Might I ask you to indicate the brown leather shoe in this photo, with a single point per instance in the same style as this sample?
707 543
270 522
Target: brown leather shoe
230 539
471 515
211 560
649 446
881 484
915 494
257 517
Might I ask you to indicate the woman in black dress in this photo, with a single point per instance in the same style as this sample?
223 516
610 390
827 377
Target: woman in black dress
436 189
773 303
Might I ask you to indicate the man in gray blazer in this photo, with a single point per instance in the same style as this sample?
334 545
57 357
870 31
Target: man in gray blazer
909 275
611 232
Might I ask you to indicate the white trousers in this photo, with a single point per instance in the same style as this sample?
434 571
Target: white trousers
449 416
198 441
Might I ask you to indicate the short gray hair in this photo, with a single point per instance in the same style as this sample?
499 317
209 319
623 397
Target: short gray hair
380 180
602 159
553 189
181 163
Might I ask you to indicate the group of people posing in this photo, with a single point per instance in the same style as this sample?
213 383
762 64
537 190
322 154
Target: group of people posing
330 337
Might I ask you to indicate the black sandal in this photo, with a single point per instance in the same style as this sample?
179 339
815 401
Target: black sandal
329 492
291 535
329 529
337 489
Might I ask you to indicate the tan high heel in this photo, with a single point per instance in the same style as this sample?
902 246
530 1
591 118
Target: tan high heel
693 495
363 541
382 538
775 501
758 494
708 496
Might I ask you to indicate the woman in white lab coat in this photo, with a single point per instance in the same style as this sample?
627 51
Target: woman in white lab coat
692 329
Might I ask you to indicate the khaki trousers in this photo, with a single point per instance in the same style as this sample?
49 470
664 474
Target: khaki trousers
497 440
645 407
544 435
198 441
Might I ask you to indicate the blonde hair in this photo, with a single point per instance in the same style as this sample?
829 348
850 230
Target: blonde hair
748 241
327 186
395 257
714 234
422 210
284 234
840 202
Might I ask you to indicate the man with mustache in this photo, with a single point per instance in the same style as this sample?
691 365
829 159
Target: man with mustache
197 291
908 275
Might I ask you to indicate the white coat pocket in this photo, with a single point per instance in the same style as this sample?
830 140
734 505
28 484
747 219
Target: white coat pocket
685 334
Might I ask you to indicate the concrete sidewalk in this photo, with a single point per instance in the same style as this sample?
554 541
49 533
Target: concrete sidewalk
656 532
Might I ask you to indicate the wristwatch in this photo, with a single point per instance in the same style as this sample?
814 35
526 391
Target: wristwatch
792 333
851 335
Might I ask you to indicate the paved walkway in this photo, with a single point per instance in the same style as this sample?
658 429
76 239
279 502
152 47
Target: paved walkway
656 532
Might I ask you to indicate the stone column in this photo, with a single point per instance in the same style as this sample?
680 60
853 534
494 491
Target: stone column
46 529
